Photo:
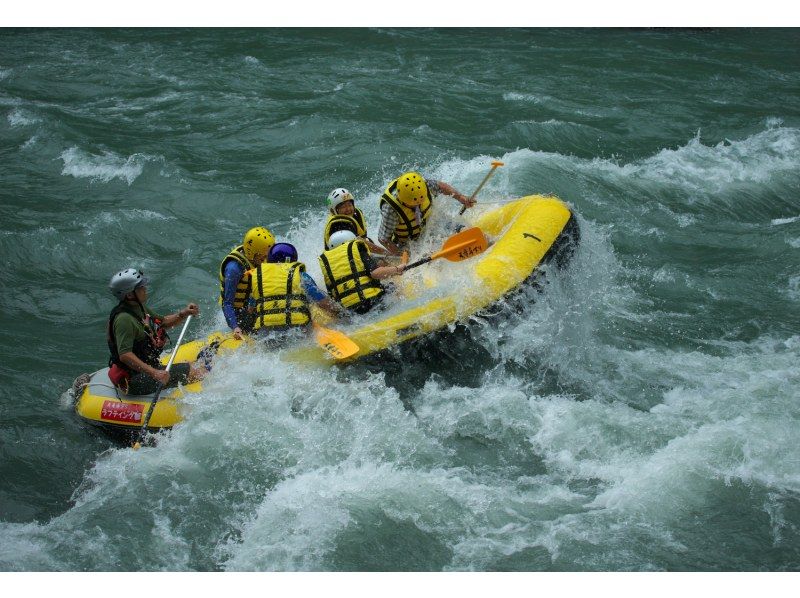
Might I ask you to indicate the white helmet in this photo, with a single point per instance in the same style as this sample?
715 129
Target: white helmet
339 237
339 196
126 281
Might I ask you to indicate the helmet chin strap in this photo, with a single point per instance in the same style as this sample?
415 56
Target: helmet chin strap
135 298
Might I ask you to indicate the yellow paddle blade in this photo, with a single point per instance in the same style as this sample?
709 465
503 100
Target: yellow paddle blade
464 245
337 344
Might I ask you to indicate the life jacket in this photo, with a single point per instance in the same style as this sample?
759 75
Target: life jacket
407 229
240 298
346 275
278 292
356 223
148 349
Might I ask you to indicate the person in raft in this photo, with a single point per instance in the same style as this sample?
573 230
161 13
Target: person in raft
352 276
344 215
234 282
136 335
283 292
406 205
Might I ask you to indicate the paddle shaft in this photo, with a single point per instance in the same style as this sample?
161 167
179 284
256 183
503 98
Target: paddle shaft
483 182
424 260
160 387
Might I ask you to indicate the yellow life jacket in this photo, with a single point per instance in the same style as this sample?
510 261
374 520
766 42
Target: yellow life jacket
356 223
407 229
242 289
278 292
346 275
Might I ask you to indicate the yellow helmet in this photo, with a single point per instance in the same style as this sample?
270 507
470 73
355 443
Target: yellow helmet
411 189
257 240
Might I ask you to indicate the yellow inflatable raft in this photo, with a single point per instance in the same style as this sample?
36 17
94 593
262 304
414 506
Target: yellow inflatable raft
525 234
101 403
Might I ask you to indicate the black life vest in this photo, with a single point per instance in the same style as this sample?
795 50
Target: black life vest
147 349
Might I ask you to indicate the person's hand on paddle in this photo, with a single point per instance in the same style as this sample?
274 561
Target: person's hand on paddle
237 333
387 271
467 202
160 376
191 309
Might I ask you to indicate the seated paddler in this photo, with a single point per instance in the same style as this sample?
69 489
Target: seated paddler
352 276
136 336
406 206
282 292
344 215
234 282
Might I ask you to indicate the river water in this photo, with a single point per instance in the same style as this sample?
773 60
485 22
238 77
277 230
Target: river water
641 414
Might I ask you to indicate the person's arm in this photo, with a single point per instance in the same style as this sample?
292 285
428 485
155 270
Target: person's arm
137 365
387 271
450 190
124 337
374 248
391 248
179 316
319 297
233 275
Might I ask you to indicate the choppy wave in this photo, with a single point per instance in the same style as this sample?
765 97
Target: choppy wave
755 159
780 221
310 471
636 413
513 96
123 216
104 167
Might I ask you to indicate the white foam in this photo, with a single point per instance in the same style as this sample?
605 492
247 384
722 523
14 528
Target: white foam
551 122
513 96
700 169
725 418
755 159
780 221
30 142
26 547
21 118
104 167
794 285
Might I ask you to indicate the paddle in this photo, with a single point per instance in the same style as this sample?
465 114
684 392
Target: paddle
137 445
495 164
337 344
461 246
